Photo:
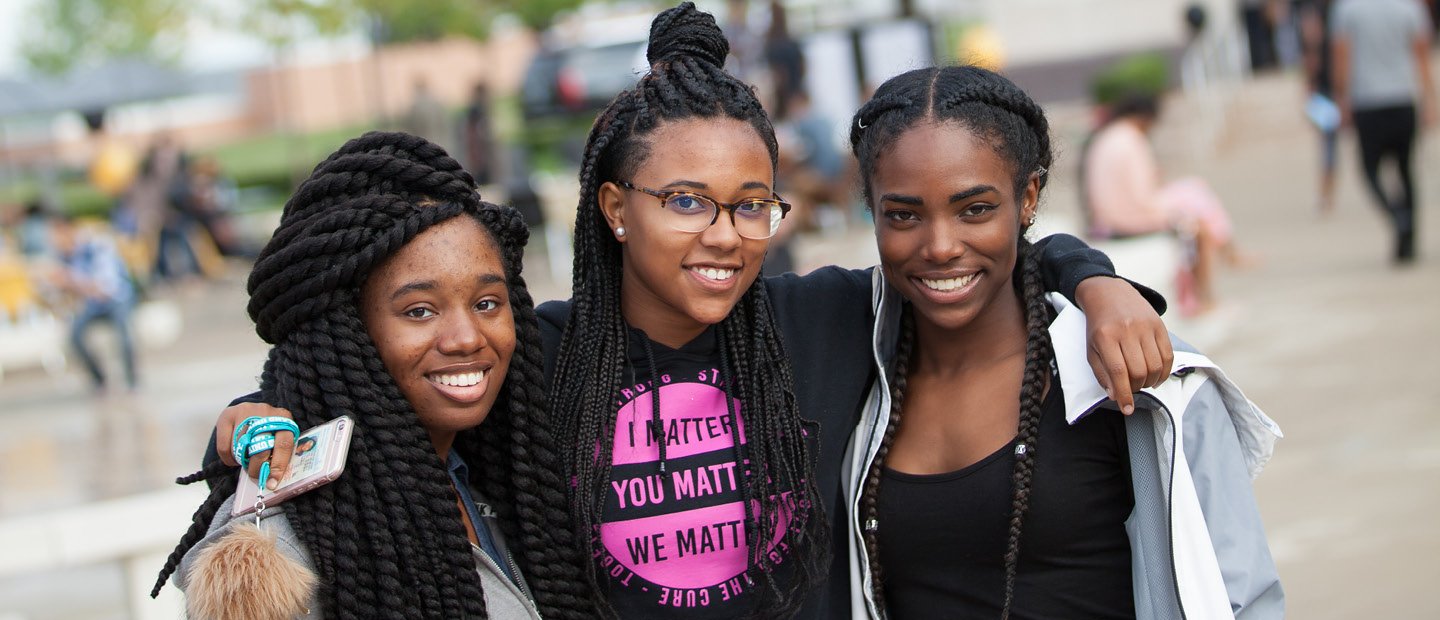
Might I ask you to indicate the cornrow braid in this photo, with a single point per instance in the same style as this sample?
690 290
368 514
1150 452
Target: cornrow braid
992 107
981 100
686 81
386 538
1038 356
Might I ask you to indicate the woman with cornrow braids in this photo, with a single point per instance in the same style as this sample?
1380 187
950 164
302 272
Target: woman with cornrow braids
988 477
704 410
392 294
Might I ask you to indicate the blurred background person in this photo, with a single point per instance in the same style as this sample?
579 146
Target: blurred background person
211 201
151 215
18 296
1259 33
814 176
1124 196
1314 17
427 116
1382 67
746 44
785 60
93 275
479 138
33 231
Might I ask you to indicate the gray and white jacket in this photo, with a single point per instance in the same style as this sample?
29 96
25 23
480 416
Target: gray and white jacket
1198 548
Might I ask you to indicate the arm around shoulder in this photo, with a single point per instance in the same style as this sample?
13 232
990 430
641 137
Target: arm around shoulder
1066 261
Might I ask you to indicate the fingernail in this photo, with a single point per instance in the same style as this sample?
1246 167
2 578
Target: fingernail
1127 410
274 481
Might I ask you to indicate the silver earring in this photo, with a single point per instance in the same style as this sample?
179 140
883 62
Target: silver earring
619 231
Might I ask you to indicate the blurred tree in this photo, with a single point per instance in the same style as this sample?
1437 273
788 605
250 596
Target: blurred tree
537 14
280 22
402 20
70 32
64 33
396 21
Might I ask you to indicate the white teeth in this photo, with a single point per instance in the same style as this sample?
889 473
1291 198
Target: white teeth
714 274
464 379
948 284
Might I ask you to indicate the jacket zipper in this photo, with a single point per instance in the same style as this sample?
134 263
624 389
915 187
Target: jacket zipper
867 579
487 513
520 583
1169 501
1170 510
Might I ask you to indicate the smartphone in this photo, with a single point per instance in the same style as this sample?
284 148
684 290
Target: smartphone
319 459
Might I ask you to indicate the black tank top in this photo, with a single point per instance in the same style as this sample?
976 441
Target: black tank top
943 536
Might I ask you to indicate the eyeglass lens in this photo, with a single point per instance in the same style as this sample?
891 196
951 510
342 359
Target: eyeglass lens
753 219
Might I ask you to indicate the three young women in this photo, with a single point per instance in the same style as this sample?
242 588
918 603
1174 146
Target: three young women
987 478
392 294
704 411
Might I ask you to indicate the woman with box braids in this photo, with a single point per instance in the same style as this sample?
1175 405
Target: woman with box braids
386 538
686 82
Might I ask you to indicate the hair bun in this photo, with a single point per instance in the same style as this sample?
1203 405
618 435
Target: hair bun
686 31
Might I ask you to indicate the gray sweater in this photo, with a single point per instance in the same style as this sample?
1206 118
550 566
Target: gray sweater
504 600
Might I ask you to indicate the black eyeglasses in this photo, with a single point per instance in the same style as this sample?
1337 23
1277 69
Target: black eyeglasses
753 218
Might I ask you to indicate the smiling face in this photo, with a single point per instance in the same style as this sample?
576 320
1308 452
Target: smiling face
439 313
947 221
676 283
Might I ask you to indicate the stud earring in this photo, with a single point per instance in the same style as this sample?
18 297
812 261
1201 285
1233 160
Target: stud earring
619 231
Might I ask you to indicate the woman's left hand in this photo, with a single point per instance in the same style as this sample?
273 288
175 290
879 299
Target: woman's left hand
1128 345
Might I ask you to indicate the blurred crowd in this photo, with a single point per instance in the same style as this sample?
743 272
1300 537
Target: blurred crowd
169 225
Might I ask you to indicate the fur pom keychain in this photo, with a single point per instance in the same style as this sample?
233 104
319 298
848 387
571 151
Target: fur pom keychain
245 575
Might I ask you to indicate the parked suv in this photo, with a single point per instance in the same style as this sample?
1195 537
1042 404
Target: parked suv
579 80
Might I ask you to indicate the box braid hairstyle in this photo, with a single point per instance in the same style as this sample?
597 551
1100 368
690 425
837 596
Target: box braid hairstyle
387 537
992 107
686 81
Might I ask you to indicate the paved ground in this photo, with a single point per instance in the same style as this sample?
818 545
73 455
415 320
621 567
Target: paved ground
1335 343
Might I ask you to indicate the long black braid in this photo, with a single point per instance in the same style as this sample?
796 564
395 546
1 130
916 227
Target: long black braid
990 106
386 537
686 80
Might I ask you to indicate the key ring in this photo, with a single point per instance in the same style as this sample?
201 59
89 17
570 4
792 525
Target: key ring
259 507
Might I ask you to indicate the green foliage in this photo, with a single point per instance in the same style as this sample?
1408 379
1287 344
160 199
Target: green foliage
281 22
73 194
536 14
402 20
1147 74
269 160
64 33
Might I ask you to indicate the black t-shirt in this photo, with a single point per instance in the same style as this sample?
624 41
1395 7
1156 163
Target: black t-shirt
943 537
656 552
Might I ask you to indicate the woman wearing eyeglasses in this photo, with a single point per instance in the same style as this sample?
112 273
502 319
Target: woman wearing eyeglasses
705 409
